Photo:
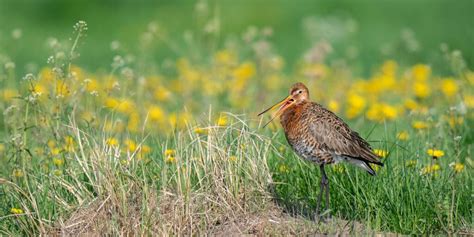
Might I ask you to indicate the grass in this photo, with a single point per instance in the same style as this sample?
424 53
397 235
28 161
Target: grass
143 149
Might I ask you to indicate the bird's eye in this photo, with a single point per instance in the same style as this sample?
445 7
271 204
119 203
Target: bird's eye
300 91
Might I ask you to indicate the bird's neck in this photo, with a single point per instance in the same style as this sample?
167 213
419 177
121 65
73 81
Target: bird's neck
291 115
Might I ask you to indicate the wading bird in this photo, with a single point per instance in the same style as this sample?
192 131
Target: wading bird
318 135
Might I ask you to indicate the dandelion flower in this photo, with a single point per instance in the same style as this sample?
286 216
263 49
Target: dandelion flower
222 121
457 167
55 151
374 167
403 136
449 87
421 89
356 105
57 172
469 101
155 113
18 173
130 145
430 169
170 152
200 131
338 168
435 153
16 211
420 125
170 159
421 72
111 141
58 161
410 163
233 158
69 144
381 153
145 149
334 106
283 168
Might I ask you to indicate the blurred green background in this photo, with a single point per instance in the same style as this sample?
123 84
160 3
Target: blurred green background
409 31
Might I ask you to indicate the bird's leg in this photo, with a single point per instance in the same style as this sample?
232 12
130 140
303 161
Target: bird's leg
321 190
326 184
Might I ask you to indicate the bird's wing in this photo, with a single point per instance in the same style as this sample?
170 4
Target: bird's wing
334 135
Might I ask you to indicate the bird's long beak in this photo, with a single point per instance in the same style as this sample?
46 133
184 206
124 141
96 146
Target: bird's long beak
282 105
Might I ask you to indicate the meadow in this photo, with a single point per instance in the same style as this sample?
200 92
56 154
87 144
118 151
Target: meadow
174 146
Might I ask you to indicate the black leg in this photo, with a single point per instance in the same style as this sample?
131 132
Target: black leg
321 190
324 185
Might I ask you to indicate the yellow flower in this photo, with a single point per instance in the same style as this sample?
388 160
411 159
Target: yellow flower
334 106
410 163
233 158
380 112
111 141
244 71
130 145
222 121
469 101
201 131
420 125
69 144
457 167
133 123
430 169
421 72
454 120
170 152
381 153
8 94
421 89
62 89
18 173
376 168
283 168
46 75
55 151
111 102
58 161
225 57
125 106
338 168
162 94
282 149
57 172
449 87
146 149
435 153
356 104
38 151
51 144
403 136
16 211
170 159
92 85
155 113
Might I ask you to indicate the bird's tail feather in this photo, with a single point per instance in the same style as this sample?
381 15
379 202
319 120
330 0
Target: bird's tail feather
362 164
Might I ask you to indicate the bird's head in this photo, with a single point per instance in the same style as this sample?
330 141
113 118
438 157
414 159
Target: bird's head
298 93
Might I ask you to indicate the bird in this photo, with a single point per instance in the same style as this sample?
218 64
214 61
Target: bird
318 135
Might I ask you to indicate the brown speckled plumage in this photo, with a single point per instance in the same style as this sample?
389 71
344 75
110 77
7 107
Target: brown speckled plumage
318 135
